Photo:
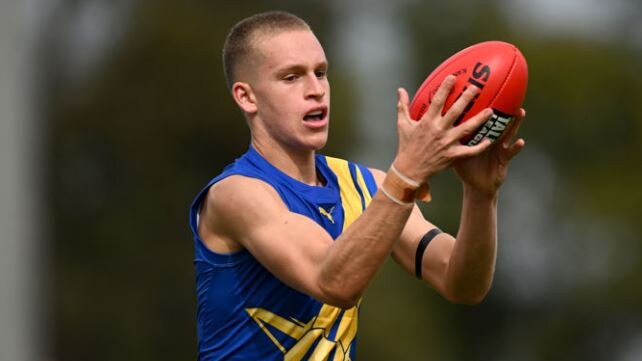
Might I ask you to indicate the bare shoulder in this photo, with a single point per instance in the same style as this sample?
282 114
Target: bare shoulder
233 207
239 196
236 189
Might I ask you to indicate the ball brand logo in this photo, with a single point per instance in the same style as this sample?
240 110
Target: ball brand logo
493 128
478 78
481 73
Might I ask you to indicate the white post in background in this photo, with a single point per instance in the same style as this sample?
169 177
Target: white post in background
373 47
20 335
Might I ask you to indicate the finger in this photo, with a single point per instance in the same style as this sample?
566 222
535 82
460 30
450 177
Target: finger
465 151
460 105
471 125
513 127
402 101
403 112
514 149
439 99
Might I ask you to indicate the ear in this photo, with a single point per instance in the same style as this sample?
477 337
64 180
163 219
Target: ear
244 97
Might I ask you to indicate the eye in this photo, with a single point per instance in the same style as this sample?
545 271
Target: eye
290 78
321 73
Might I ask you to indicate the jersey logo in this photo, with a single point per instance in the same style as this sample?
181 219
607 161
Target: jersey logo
331 331
327 214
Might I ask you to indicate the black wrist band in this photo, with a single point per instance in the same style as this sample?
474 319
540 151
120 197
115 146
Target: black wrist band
421 248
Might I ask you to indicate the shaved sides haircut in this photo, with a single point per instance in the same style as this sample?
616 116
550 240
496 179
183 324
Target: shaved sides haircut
241 40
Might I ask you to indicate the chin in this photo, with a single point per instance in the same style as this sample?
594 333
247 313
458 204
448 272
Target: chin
320 143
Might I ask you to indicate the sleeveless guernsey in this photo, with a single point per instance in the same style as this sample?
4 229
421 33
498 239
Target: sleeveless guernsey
246 313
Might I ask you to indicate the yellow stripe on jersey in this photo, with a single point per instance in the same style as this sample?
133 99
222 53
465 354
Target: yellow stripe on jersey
364 189
350 198
346 333
314 331
318 330
288 327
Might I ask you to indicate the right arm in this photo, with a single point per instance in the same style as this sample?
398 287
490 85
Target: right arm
293 247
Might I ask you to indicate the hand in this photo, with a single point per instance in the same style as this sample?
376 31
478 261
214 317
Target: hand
486 172
432 144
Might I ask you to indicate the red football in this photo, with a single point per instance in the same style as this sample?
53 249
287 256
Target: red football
497 68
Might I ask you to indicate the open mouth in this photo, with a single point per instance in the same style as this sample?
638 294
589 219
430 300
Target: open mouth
315 115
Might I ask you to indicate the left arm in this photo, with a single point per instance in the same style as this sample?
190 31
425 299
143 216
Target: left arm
461 269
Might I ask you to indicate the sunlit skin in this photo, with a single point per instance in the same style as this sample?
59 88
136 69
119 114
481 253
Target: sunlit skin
288 82
283 83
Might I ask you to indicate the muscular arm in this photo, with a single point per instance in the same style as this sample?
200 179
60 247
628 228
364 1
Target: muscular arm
460 269
241 212
472 263
293 247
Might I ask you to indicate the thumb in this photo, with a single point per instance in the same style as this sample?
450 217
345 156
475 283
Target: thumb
402 104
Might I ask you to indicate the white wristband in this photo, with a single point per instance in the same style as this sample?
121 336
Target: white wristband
406 179
394 199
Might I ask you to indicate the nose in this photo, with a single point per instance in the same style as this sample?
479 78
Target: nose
316 87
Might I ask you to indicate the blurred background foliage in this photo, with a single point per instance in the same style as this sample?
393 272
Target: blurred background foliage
137 118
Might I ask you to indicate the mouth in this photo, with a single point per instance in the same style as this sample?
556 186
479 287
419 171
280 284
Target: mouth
317 117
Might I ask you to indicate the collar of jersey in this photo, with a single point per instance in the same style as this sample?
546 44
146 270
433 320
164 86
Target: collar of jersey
325 194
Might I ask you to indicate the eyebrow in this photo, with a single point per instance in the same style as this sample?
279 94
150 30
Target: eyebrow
298 68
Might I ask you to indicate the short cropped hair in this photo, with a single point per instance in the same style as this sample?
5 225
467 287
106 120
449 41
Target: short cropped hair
240 41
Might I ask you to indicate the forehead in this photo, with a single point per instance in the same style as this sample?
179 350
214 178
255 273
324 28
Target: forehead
287 48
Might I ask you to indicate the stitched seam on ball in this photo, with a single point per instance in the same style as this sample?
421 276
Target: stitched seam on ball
512 68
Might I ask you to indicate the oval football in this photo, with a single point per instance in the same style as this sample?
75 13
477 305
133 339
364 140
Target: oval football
500 71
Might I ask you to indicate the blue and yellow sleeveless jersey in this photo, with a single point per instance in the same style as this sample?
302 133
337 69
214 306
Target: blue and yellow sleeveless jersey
246 313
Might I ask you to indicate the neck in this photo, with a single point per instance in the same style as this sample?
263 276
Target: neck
298 164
